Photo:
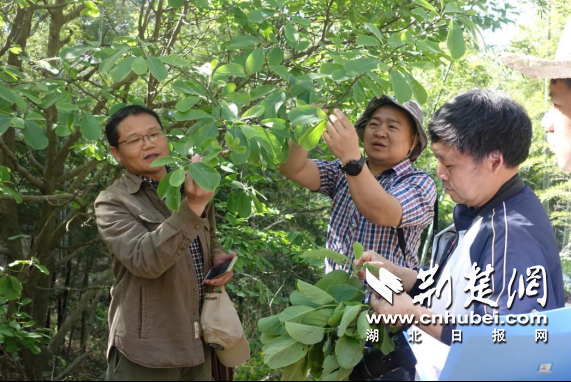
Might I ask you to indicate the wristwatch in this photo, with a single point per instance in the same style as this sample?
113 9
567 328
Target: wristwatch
354 167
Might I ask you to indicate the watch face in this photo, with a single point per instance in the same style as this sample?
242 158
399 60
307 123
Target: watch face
353 168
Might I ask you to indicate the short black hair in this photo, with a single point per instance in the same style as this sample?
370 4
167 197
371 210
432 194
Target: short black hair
481 122
111 126
565 81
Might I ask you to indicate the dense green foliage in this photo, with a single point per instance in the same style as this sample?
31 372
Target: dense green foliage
232 81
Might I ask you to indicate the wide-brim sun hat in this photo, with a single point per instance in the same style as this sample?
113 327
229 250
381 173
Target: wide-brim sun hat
559 68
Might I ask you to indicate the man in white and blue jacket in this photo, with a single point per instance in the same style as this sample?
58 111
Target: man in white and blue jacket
480 138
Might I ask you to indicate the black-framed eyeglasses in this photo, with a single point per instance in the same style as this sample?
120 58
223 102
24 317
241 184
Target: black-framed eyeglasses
138 140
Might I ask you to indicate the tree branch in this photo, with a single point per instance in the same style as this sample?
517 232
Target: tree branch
49 7
78 170
73 365
40 198
74 14
82 305
29 177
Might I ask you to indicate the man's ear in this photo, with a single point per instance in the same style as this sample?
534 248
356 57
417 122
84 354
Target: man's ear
116 154
496 161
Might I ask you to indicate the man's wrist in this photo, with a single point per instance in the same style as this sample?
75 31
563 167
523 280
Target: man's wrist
198 209
352 157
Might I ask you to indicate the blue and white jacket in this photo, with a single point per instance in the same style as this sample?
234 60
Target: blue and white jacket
512 231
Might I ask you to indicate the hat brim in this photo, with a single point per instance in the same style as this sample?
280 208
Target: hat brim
537 67
236 356
386 100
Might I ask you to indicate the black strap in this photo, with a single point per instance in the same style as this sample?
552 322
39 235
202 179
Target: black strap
400 231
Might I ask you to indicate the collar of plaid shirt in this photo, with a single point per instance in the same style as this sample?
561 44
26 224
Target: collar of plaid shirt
195 248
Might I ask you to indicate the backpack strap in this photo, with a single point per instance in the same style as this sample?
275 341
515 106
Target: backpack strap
400 231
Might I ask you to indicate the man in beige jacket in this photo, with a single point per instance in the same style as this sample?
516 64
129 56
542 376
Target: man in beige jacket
160 259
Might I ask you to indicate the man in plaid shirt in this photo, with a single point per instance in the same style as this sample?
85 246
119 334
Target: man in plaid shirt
372 201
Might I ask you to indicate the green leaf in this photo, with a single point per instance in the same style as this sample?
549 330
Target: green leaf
327 253
349 352
401 87
358 250
284 351
172 197
330 364
271 326
307 315
452 8
296 372
346 293
9 191
388 345
307 335
425 4
301 21
254 112
5 122
244 206
313 293
350 314
367 41
307 115
337 277
73 52
418 91
90 128
363 325
311 138
192 115
186 104
240 42
42 269
65 107
421 13
340 375
178 177
374 30
108 63
262 91
456 43
361 66
291 33
260 15
122 69
205 176
157 68
276 56
34 136
164 161
281 71
10 287
176 4
229 112
255 61
12 97
140 66
231 70
297 299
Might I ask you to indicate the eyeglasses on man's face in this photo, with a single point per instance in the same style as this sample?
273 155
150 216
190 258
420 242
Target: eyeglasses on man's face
137 141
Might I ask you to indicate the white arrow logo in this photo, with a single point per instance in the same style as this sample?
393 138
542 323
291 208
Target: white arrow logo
385 285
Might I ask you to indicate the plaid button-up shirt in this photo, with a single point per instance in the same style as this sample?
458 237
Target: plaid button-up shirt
415 191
